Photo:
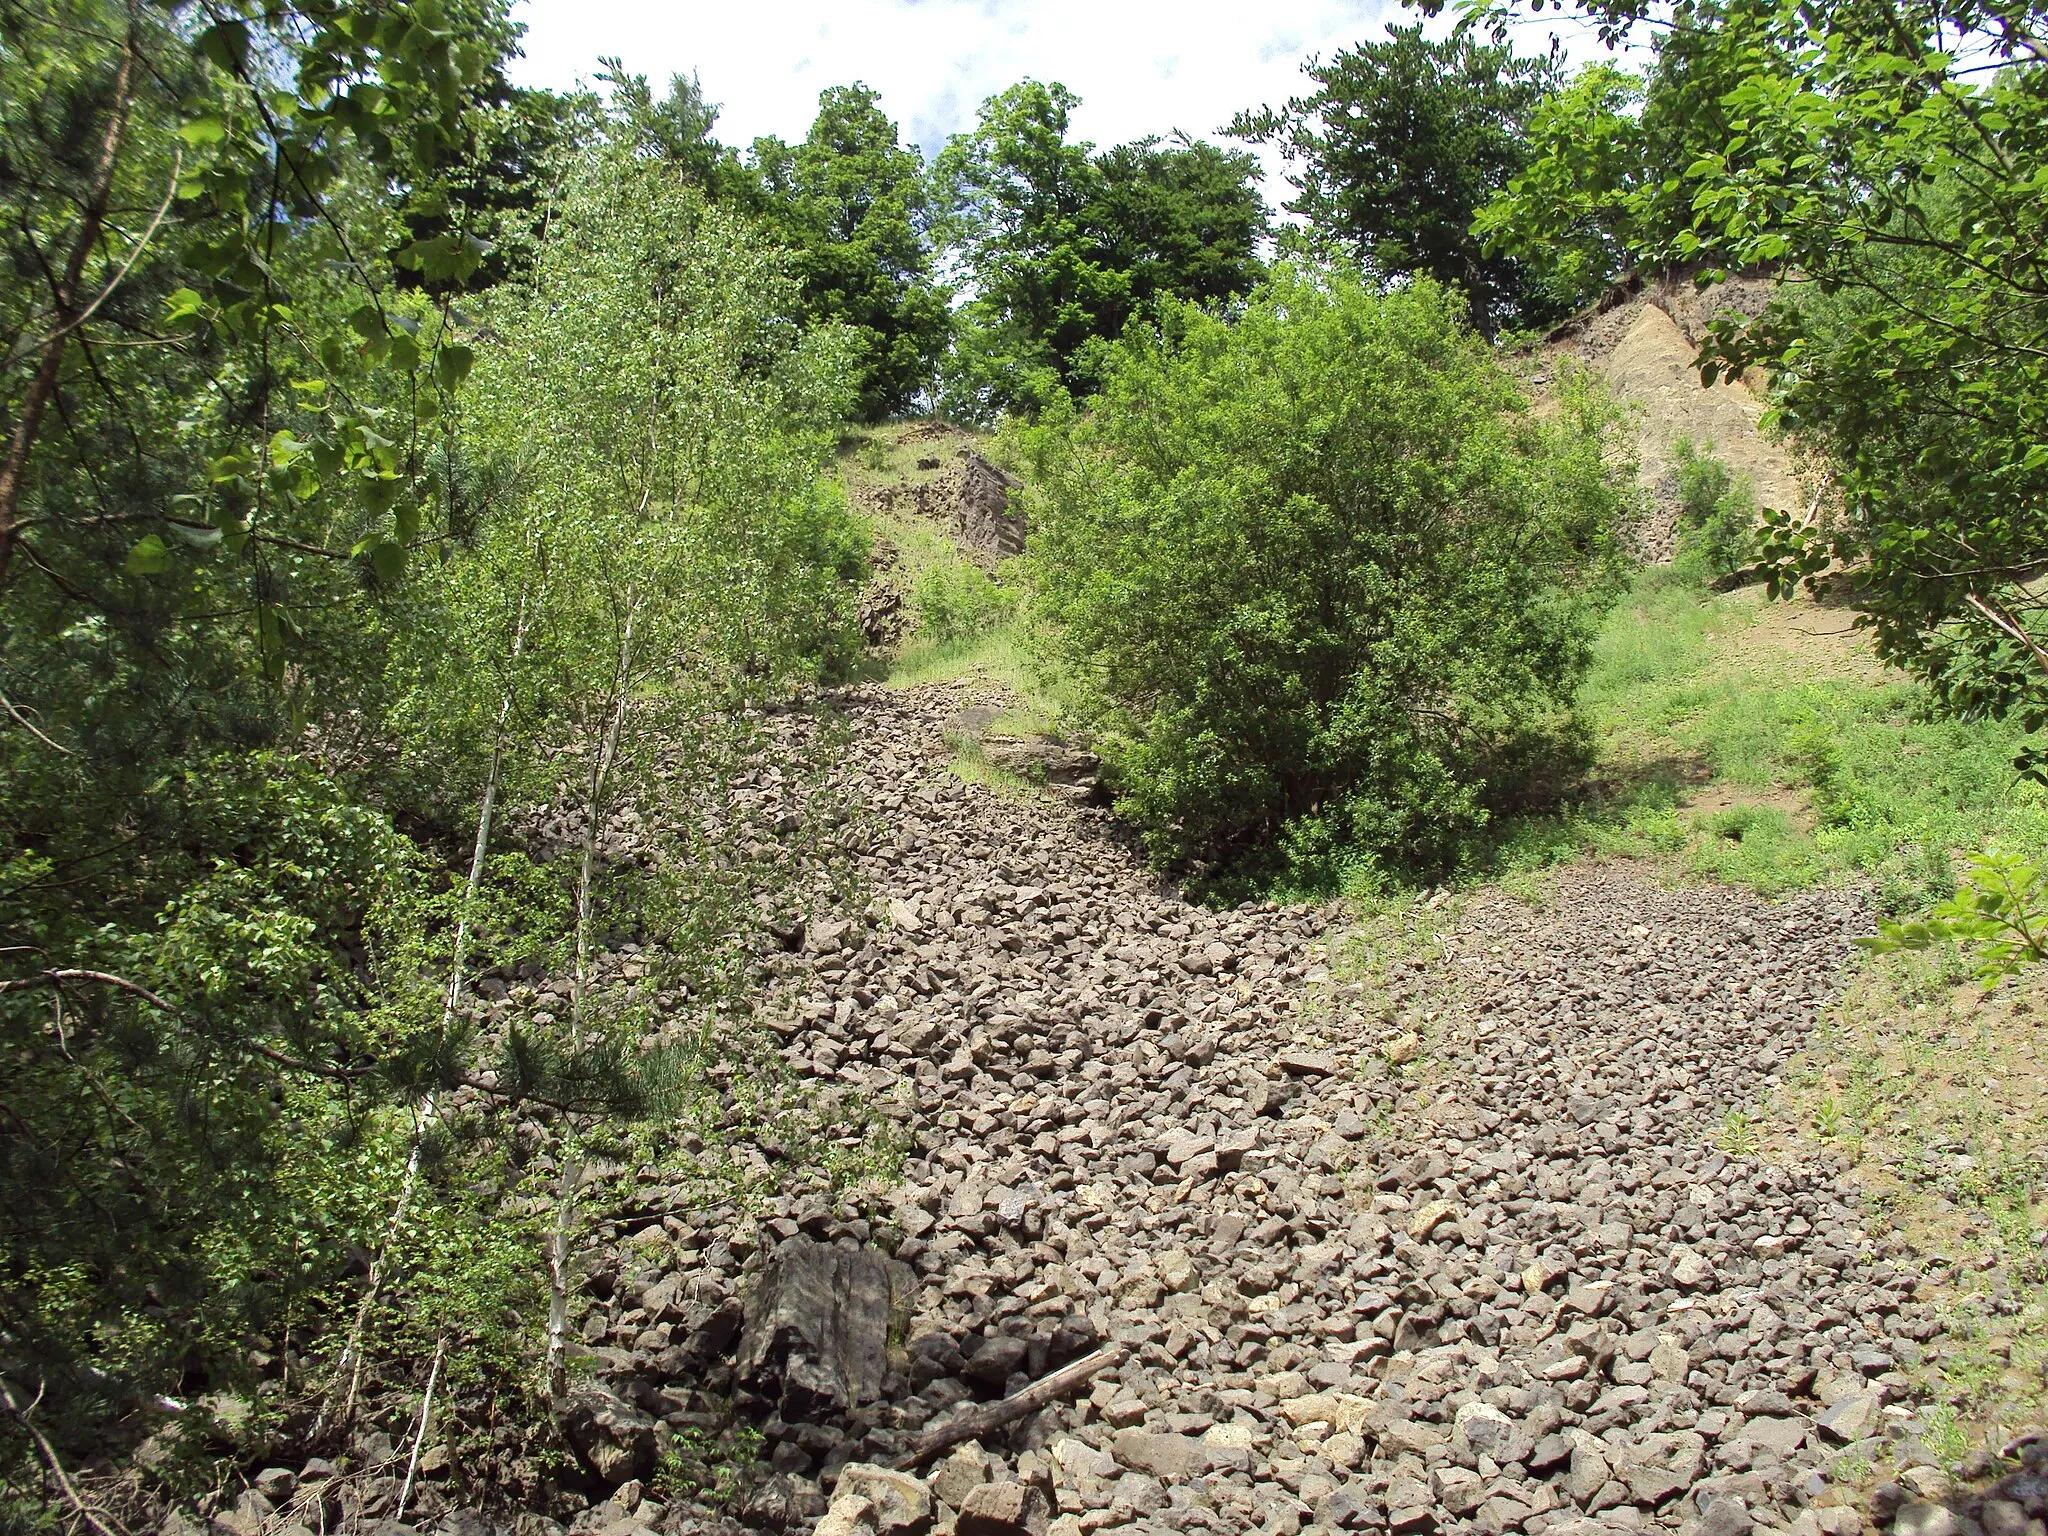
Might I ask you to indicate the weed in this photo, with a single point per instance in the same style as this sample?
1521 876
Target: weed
706 1465
2001 914
1389 931
1944 1435
1829 1117
1739 1135
957 601
1717 514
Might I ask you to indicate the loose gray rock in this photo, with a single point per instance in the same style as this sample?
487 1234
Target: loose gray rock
821 1328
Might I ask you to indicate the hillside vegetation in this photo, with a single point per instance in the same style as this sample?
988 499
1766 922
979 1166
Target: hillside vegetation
484 574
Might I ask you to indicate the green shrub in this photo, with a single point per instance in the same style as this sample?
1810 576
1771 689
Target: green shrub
1717 515
1325 584
957 600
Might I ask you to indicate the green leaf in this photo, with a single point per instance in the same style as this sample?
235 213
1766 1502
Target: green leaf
202 131
225 44
452 364
150 557
387 558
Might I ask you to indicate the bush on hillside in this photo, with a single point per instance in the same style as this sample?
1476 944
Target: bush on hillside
957 601
1717 515
1326 583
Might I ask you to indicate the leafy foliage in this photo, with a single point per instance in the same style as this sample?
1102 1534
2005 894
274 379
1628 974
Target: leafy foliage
1893 156
958 600
1717 514
851 202
2001 912
1061 247
1603 187
1401 145
313 558
1323 576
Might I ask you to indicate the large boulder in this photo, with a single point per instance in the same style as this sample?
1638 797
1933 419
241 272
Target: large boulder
985 521
610 1436
824 1329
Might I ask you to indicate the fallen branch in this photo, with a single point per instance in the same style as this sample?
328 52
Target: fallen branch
412 1464
89 1513
993 1416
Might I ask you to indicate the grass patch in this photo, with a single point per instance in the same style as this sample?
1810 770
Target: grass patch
998 656
1757 744
1936 1096
971 764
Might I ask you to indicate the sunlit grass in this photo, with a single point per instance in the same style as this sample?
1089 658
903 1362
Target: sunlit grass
1759 745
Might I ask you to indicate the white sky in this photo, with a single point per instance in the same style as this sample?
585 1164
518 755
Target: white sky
1139 66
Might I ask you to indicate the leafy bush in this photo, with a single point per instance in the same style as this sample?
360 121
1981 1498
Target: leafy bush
1325 582
957 600
2001 913
1717 515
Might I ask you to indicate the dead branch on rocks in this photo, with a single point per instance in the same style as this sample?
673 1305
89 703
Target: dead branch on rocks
993 1416
89 1513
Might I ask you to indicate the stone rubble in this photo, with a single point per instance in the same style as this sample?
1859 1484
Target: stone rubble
1460 1257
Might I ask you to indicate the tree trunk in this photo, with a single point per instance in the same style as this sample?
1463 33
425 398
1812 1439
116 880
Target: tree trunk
351 1363
64 302
571 1176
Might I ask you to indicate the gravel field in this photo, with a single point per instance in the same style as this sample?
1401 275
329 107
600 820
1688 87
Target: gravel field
1463 1239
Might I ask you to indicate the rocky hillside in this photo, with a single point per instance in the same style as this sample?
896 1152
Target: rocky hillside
1444 1228
1172 1219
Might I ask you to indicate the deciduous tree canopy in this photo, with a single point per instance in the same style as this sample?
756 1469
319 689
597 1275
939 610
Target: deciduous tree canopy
1060 247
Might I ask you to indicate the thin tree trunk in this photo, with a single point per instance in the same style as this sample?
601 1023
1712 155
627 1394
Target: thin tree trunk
600 776
571 1175
351 1362
43 386
483 829
412 1464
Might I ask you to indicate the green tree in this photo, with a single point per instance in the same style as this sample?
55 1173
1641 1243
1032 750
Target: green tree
275 589
677 558
1572 215
225 434
1399 147
1603 189
1062 248
1182 218
677 128
1893 157
850 200
1326 581
491 189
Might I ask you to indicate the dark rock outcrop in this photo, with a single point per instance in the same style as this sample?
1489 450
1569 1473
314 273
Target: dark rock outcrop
824 1329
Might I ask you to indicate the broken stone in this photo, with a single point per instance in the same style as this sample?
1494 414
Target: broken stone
821 1328
902 1504
1160 1455
612 1438
1005 1509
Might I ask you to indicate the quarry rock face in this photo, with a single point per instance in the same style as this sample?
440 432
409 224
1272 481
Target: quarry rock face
986 519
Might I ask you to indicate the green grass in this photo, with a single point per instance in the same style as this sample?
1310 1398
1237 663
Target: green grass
998 656
1813 764
970 763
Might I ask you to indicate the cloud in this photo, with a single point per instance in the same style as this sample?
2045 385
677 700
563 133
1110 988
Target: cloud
1141 67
